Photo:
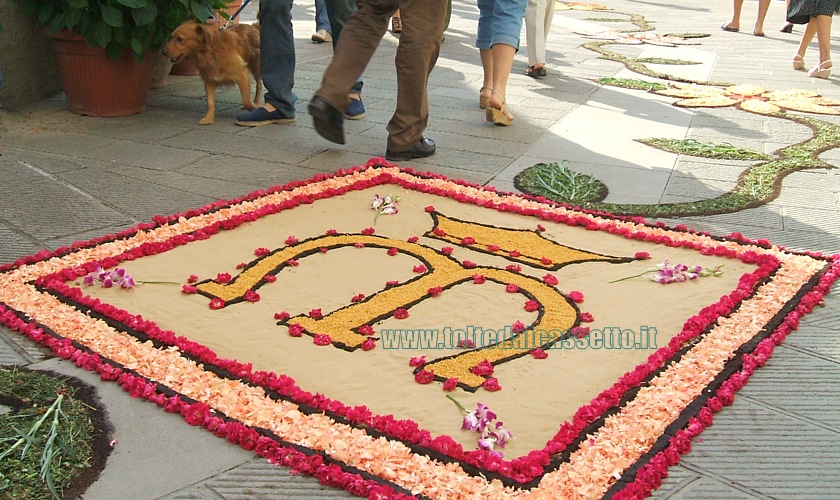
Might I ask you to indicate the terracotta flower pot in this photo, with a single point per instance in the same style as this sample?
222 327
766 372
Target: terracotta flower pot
97 86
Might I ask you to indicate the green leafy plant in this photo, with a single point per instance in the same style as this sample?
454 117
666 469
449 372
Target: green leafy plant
46 438
693 147
558 182
136 25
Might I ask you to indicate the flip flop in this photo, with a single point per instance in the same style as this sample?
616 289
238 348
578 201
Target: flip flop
758 34
726 27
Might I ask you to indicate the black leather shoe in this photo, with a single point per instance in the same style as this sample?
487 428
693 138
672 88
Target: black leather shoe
422 148
328 120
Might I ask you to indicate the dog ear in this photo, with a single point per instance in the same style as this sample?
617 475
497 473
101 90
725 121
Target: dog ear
205 35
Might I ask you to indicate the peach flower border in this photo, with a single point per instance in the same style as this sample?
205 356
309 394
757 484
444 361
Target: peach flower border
619 444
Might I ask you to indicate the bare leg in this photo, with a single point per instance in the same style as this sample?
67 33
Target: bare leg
823 24
735 22
763 6
486 87
807 36
502 64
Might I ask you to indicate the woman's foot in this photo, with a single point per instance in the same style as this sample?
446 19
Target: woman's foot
787 28
536 71
730 28
798 62
484 97
821 70
497 110
396 25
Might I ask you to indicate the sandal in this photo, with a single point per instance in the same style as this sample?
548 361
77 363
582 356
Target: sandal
396 25
483 101
500 116
535 72
820 71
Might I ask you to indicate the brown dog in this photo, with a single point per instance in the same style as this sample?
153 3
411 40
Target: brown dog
222 57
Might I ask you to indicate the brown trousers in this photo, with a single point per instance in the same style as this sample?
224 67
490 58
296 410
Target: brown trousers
422 31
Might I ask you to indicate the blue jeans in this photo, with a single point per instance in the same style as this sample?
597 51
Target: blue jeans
339 12
322 21
499 21
277 54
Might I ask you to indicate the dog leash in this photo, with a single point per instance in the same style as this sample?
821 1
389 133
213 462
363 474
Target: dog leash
236 14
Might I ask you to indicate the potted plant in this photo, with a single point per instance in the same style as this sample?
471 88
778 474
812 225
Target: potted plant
103 46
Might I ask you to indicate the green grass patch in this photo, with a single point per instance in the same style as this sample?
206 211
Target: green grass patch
628 83
607 19
663 60
47 439
558 182
693 147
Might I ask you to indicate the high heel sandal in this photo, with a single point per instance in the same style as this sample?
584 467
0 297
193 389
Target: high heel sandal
819 72
798 62
499 116
483 101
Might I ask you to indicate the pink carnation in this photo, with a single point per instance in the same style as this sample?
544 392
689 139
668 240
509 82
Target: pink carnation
295 330
491 384
322 339
424 377
483 369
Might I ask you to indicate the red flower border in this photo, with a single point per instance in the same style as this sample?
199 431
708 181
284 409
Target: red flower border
638 483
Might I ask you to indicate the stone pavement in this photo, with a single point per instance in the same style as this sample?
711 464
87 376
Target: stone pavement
67 178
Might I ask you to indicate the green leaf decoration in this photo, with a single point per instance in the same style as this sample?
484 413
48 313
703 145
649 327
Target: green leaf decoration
558 182
693 147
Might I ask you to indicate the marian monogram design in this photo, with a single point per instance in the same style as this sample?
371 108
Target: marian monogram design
556 311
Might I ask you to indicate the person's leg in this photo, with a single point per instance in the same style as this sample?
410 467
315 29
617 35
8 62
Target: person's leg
339 12
823 28
735 22
807 36
322 20
788 27
277 62
508 15
357 43
416 56
448 15
483 38
502 64
531 29
396 22
549 17
763 6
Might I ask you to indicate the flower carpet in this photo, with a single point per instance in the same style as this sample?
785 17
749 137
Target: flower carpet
396 333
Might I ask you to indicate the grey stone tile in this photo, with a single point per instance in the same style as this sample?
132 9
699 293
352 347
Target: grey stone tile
768 452
16 244
258 479
47 209
150 156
